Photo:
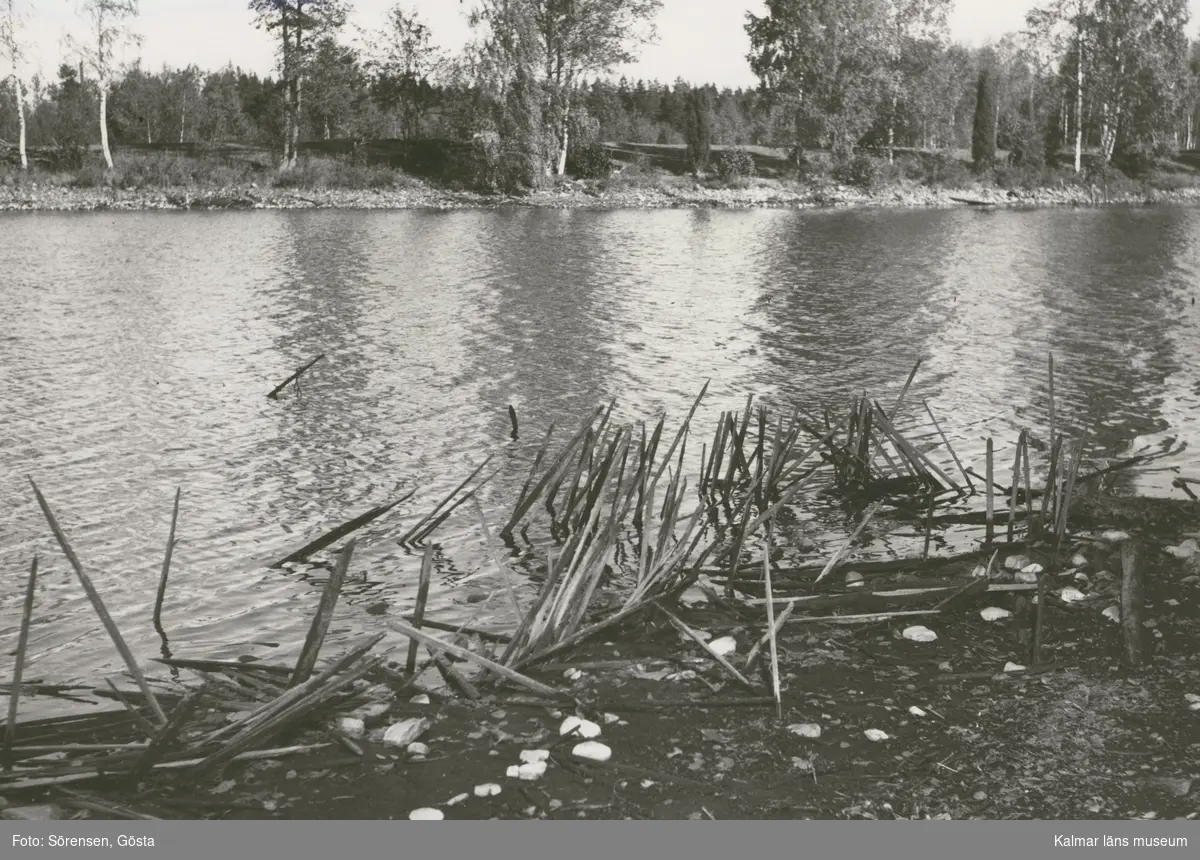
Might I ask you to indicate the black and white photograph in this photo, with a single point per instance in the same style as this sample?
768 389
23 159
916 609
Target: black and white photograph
599 410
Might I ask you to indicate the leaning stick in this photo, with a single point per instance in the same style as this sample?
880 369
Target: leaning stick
94 596
771 626
14 694
695 637
463 653
336 534
836 559
320 622
166 568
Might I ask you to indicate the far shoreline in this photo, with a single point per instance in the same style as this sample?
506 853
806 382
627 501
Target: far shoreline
580 194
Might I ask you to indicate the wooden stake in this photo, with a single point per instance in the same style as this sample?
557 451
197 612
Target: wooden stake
991 526
98 604
419 612
14 693
1133 649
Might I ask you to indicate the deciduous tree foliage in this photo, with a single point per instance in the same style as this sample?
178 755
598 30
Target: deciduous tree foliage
299 26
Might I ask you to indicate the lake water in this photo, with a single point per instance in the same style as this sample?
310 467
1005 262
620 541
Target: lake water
136 351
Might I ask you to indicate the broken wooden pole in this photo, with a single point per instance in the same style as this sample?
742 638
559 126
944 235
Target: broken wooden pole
295 377
512 418
320 622
98 604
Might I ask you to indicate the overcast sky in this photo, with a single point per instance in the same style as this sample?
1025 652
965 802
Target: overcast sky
698 40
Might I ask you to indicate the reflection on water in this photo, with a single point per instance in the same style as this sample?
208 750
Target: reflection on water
138 348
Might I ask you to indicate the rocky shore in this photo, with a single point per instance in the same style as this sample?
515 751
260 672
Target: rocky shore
570 195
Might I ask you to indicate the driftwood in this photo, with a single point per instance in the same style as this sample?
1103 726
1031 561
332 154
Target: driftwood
274 395
419 612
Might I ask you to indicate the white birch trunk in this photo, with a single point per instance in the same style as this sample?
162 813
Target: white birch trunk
1079 102
104 123
21 122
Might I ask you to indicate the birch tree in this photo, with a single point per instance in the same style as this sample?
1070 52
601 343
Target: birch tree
1065 23
108 33
12 59
299 25
562 41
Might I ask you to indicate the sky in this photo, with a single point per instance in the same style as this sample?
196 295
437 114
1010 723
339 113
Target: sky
701 41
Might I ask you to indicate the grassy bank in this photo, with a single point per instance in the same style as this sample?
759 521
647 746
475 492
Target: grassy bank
642 176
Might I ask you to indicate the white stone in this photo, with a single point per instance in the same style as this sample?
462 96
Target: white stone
531 770
457 799
980 571
513 771
1114 536
487 789
1025 576
609 719
583 728
1016 562
1072 595
403 733
352 727
417 749
1113 614
1035 568
1079 560
1013 667
1185 550
573 674
854 579
876 735
532 756
916 712
805 730
724 645
593 750
426 813
693 597
420 699
994 613
917 633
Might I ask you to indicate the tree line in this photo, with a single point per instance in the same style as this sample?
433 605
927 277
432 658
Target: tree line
535 91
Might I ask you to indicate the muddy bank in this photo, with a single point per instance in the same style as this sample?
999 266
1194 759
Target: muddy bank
570 195
872 724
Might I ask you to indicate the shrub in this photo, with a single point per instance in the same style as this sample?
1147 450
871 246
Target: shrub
943 170
735 163
860 171
590 162
1027 144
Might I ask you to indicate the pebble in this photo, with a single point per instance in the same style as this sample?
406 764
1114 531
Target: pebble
876 735
1114 536
593 750
1072 595
420 699
531 770
352 727
417 749
1113 613
1013 667
724 645
1016 562
426 813
578 725
533 756
487 789
916 712
994 613
918 633
854 579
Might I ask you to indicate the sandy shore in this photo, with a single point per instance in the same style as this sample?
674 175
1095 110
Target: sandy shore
572 195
